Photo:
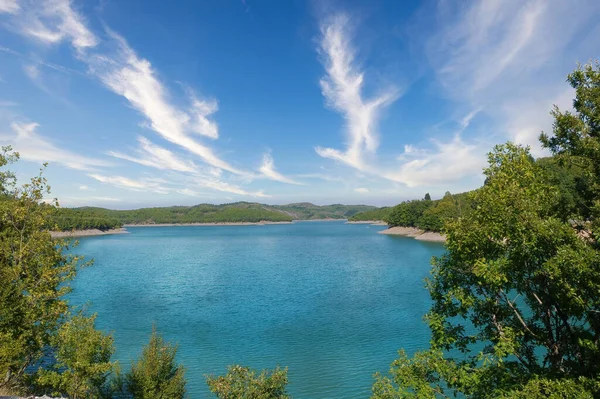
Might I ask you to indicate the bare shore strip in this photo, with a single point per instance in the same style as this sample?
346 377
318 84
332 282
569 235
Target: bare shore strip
371 222
86 233
415 233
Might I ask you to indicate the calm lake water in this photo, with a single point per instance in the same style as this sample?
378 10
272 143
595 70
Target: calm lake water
333 302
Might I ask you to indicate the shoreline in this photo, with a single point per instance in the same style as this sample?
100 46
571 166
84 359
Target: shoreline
87 233
415 233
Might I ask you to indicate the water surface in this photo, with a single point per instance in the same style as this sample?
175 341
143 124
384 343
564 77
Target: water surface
333 302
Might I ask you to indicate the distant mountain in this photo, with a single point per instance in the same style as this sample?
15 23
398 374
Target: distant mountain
80 218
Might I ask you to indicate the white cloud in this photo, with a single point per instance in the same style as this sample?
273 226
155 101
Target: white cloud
268 170
448 162
83 187
510 58
134 78
9 7
32 71
52 21
320 176
152 155
130 184
361 190
218 185
199 113
33 147
342 88
191 193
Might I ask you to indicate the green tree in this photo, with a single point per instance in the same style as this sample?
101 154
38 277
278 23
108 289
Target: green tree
83 363
34 271
515 299
243 383
576 136
427 197
156 375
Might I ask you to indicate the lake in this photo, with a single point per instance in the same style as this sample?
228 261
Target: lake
333 302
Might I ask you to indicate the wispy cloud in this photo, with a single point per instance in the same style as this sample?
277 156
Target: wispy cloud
131 184
446 162
33 147
154 156
268 170
9 7
362 190
134 78
510 58
342 88
52 21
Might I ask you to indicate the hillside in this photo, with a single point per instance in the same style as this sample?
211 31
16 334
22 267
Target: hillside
103 219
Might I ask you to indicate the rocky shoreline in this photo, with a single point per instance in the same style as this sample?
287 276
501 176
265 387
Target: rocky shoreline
415 233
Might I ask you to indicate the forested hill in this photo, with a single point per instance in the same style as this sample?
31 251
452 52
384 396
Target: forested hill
104 219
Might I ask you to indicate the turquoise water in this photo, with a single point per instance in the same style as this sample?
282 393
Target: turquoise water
333 302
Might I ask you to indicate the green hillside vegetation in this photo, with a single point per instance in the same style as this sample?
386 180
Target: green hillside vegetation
308 211
379 214
104 219
425 214
430 215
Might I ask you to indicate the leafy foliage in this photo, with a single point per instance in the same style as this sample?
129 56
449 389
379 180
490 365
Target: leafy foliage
516 301
83 361
429 215
576 138
379 214
156 375
243 383
34 270
65 219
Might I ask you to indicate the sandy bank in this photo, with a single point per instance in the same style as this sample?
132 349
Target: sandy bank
371 222
86 233
417 234
431 236
204 224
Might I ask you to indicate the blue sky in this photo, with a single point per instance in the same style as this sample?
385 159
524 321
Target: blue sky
138 103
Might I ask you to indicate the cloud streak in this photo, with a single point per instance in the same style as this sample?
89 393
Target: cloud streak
53 21
342 88
154 156
9 7
33 147
133 77
510 58
446 162
268 170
